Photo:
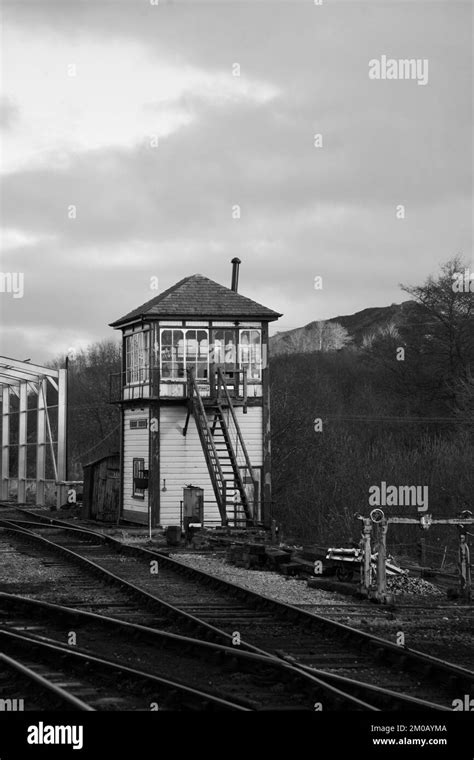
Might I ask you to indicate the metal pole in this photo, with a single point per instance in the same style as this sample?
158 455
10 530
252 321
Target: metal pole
381 559
62 431
41 443
365 566
66 447
5 485
22 435
149 516
464 568
50 436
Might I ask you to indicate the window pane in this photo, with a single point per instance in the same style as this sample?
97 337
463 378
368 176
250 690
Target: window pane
178 343
191 345
136 357
166 339
217 349
167 369
201 370
171 355
250 351
204 349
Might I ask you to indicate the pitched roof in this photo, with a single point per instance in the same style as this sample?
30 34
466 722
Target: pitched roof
197 296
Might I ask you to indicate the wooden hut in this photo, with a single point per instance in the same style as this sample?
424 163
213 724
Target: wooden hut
102 488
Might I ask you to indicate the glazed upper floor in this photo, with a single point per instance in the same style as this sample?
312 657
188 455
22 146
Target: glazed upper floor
194 326
158 357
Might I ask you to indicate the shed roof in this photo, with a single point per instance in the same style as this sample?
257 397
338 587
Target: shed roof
110 455
198 296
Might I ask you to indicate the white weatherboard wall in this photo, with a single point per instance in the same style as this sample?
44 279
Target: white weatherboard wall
135 445
182 460
251 425
182 463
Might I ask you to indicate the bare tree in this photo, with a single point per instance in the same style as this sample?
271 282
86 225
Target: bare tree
446 331
317 336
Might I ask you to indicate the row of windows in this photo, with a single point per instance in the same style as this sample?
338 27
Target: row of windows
183 349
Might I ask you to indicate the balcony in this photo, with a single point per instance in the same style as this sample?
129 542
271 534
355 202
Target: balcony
146 384
136 385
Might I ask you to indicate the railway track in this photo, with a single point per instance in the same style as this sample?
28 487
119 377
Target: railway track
43 619
268 626
100 684
242 678
370 611
25 688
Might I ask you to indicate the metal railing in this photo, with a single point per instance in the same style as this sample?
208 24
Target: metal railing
227 382
129 385
237 441
208 446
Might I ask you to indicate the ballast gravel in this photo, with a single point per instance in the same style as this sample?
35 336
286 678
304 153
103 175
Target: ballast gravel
279 587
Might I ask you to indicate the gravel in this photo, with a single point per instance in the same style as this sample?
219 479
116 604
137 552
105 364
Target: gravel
279 587
403 584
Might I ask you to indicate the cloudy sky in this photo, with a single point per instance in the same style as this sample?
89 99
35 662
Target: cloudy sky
155 120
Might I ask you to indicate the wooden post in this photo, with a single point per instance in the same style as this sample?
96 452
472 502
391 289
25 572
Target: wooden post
274 531
41 443
224 520
154 475
5 485
422 554
22 439
214 392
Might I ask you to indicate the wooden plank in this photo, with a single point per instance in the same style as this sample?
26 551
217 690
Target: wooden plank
134 516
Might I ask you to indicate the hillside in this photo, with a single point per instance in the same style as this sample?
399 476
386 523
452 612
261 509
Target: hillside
362 323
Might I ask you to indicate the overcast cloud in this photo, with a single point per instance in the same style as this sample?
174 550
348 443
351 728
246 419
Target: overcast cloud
164 74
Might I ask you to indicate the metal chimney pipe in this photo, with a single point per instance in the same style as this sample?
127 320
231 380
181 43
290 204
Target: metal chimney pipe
235 274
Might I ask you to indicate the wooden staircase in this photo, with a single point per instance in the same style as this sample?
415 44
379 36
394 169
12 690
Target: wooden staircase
225 452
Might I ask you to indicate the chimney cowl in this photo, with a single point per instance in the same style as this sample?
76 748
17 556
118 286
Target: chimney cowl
235 273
